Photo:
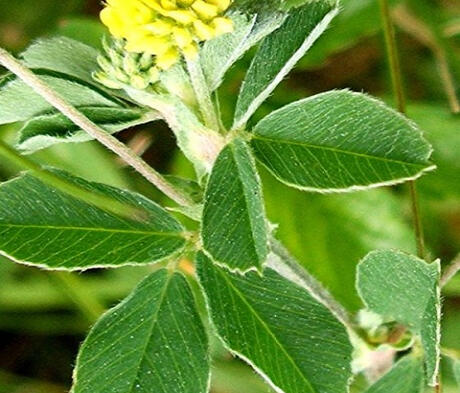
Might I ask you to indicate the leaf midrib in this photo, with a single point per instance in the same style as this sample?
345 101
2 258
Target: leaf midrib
264 324
336 150
246 201
154 323
89 229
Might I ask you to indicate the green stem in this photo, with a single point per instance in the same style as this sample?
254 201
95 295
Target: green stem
112 143
74 289
451 271
202 93
418 227
308 281
393 57
53 180
396 78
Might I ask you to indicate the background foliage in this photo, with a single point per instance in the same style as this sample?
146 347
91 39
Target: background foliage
40 329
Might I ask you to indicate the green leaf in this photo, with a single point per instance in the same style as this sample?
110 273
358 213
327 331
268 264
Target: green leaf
153 341
219 54
290 43
406 289
48 129
292 340
340 141
63 55
234 229
19 102
406 376
45 227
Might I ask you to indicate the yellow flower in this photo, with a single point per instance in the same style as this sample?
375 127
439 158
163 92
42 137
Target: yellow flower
166 28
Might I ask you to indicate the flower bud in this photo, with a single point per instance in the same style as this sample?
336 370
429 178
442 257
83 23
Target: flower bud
120 68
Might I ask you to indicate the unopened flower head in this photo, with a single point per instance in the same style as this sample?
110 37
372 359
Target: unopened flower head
119 68
166 28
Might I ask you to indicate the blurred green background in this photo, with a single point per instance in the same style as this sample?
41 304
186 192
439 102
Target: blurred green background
41 329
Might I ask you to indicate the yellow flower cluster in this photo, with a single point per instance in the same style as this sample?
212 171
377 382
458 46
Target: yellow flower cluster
166 28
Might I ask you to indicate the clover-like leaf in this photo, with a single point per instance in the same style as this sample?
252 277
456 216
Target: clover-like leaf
234 229
44 227
153 341
406 289
340 141
294 342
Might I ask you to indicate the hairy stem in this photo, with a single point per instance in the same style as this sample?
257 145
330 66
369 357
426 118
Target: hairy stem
451 271
307 281
396 78
418 227
202 93
113 144
74 289
101 201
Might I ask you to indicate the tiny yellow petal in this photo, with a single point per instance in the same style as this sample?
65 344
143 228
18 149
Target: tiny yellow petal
182 36
149 44
184 17
159 27
203 31
111 19
222 25
168 5
222 5
191 51
205 10
142 13
185 3
168 59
